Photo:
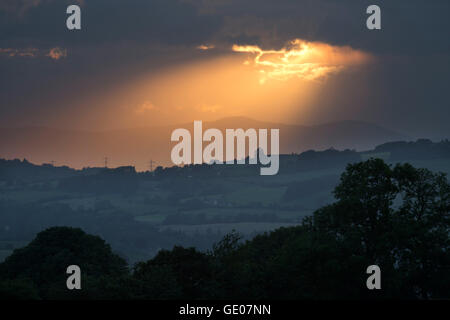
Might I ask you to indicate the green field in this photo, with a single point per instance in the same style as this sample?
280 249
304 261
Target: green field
255 194
154 219
239 195
244 228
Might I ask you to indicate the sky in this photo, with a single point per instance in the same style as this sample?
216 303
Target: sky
138 63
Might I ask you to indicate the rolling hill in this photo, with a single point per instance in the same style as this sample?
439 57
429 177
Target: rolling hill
137 146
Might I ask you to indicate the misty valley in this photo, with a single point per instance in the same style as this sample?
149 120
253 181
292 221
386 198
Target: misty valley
215 231
140 213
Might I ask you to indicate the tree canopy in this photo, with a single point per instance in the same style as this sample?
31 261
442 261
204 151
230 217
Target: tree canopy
394 217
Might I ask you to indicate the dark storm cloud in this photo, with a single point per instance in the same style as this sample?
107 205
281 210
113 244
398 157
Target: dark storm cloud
117 40
103 21
122 37
409 26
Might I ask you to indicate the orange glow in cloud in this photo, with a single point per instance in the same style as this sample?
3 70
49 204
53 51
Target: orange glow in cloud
210 90
268 85
54 53
302 59
146 106
12 52
57 53
205 47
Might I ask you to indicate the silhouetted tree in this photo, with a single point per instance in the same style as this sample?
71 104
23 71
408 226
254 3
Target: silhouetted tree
43 262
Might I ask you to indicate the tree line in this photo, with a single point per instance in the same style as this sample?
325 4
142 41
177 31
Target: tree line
394 217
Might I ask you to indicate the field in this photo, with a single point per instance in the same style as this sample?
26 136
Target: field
244 228
215 206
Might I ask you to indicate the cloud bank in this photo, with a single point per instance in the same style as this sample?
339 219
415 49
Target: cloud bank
302 59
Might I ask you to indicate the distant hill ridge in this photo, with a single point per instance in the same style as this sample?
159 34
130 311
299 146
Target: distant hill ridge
422 149
138 146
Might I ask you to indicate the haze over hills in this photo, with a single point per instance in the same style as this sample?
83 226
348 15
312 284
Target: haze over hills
138 145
